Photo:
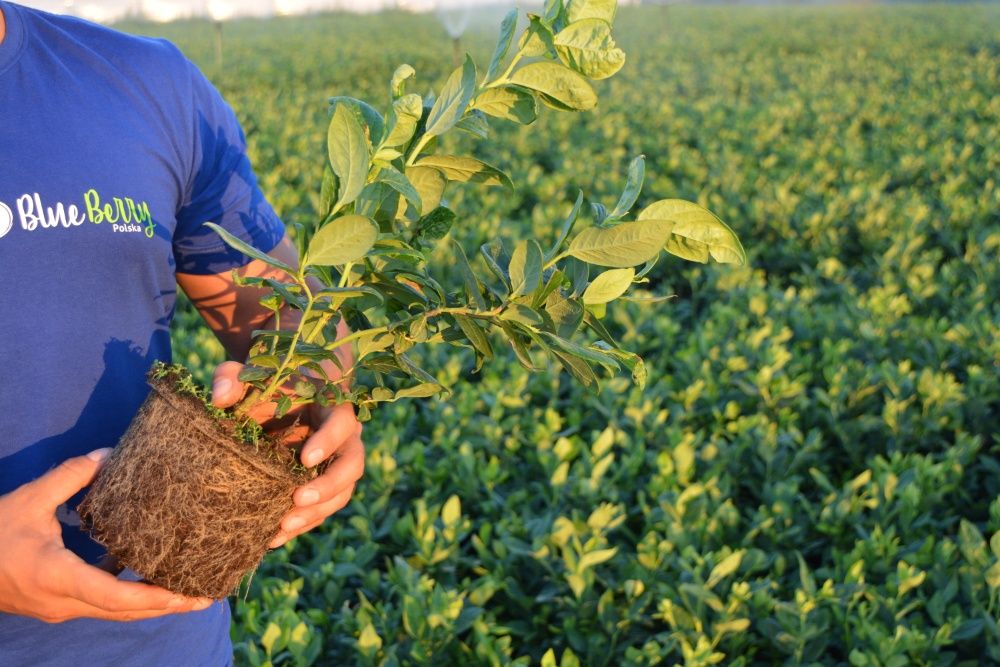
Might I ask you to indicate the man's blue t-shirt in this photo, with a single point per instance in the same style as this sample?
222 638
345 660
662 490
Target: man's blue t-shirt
114 150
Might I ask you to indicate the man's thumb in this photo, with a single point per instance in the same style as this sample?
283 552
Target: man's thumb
64 481
226 385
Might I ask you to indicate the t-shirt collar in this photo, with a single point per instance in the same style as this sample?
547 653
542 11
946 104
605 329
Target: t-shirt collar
13 41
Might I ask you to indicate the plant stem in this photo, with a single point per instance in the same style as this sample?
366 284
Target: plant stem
552 262
415 153
279 374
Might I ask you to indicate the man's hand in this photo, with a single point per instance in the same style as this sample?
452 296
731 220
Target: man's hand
40 577
328 432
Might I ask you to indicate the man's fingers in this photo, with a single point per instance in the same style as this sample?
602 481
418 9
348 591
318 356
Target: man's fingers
340 425
97 588
64 481
342 474
299 520
226 386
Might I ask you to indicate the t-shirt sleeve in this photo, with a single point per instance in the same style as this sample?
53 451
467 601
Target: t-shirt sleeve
221 188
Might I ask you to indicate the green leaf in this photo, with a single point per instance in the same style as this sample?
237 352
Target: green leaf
578 273
435 225
525 268
376 342
577 367
399 78
474 122
507 29
328 191
557 83
496 258
587 47
621 246
401 184
453 100
517 344
567 314
430 184
466 170
422 390
349 153
608 286
403 120
577 10
697 233
633 186
254 374
518 312
372 120
248 249
475 334
508 103
590 354
537 38
345 239
472 287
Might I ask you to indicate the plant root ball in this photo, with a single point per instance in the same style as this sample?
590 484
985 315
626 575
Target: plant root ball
183 504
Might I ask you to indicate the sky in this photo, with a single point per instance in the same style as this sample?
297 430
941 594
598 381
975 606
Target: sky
166 10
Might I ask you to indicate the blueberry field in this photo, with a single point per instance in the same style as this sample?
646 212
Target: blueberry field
811 474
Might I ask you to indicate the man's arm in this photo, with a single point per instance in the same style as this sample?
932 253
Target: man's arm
233 313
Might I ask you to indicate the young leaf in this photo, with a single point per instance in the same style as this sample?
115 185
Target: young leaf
577 10
557 83
403 120
349 153
507 29
525 268
608 286
621 246
399 77
508 103
466 170
697 234
587 47
633 186
453 101
343 240
248 249
430 184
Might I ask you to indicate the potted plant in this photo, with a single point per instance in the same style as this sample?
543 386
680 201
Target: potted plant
192 495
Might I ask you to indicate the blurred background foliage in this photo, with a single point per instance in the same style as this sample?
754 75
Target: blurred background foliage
812 474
